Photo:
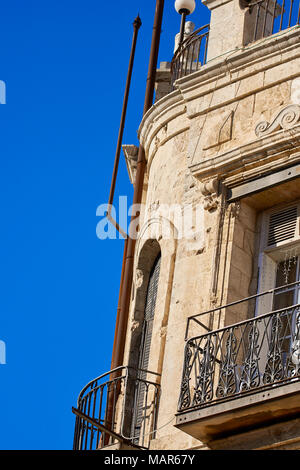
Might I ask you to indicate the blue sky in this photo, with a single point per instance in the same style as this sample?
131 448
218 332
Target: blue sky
64 64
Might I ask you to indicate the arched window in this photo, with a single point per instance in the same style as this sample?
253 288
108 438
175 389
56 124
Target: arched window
140 401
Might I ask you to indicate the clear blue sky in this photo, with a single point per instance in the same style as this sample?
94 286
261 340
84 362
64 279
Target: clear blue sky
64 64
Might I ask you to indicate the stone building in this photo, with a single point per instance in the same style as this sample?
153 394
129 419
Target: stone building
212 348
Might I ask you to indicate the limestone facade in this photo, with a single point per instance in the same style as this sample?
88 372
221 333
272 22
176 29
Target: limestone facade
230 123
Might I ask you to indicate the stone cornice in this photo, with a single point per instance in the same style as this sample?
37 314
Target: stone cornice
250 155
239 65
159 110
158 118
241 73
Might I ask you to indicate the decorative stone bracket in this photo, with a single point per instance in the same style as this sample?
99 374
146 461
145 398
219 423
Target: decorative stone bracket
209 190
285 119
131 156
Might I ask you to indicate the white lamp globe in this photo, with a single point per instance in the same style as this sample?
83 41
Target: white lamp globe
185 5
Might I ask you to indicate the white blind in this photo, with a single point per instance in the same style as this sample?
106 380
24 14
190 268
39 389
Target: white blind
282 225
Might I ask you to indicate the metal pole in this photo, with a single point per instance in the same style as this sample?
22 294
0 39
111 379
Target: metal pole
136 25
184 13
121 327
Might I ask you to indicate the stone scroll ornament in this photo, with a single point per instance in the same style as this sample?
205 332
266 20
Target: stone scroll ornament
285 119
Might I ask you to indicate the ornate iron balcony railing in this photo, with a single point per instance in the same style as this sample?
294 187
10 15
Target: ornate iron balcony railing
191 55
120 405
249 356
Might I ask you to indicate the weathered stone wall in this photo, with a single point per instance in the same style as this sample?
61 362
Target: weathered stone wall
197 139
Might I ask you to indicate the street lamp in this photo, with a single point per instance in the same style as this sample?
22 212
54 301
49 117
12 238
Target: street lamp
184 8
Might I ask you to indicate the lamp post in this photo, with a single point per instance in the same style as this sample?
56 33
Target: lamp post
184 8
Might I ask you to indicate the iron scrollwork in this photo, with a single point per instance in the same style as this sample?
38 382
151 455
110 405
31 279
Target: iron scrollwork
227 378
294 365
250 376
185 395
274 367
254 354
204 383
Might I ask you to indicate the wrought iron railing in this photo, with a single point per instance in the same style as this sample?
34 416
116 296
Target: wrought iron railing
249 356
191 55
120 405
273 16
268 17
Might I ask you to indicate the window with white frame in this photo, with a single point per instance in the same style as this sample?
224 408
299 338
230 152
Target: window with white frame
279 267
279 256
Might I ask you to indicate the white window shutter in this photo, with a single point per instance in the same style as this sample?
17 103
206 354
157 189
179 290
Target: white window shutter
282 225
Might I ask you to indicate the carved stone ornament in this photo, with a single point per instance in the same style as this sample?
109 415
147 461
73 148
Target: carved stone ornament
139 278
210 193
285 119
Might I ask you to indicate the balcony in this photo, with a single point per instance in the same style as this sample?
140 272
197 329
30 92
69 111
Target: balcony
191 55
266 18
244 376
117 410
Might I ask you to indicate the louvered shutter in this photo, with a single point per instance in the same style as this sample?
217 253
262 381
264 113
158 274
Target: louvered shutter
282 225
145 346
